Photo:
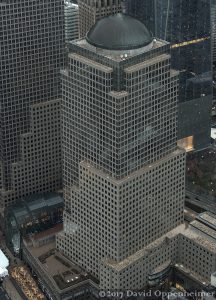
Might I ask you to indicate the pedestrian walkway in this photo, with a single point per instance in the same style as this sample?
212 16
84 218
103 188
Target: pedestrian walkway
3 294
11 290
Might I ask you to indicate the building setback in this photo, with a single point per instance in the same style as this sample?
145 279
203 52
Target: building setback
92 10
32 47
186 25
124 176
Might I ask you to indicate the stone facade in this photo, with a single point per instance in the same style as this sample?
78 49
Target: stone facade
124 176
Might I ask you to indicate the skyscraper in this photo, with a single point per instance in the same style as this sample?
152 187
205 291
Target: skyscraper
92 10
213 24
32 47
186 25
124 176
213 31
71 12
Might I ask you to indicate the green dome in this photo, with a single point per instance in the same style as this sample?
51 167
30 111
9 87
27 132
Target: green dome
119 32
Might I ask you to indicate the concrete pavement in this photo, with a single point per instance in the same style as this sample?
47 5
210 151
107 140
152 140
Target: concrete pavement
3 294
11 290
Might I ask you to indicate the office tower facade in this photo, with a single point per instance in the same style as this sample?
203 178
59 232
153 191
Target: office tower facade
32 50
124 176
213 27
123 173
213 31
187 26
71 13
92 10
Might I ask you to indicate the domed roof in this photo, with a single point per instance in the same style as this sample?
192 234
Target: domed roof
119 32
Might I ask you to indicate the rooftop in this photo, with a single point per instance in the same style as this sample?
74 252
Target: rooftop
189 232
208 218
60 271
90 63
135 174
120 55
148 250
147 63
200 239
119 32
204 229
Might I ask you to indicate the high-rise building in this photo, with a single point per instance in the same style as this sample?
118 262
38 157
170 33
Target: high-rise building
213 28
124 176
186 25
32 52
213 24
92 10
71 12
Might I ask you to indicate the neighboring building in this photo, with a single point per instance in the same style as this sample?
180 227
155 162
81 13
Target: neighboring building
71 13
92 10
32 53
213 24
186 25
4 264
59 278
213 28
31 218
124 176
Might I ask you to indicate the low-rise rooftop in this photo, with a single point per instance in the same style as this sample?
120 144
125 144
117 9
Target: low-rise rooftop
60 271
204 229
200 239
208 218
145 251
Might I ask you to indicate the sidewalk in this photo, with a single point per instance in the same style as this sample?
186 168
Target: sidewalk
11 290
